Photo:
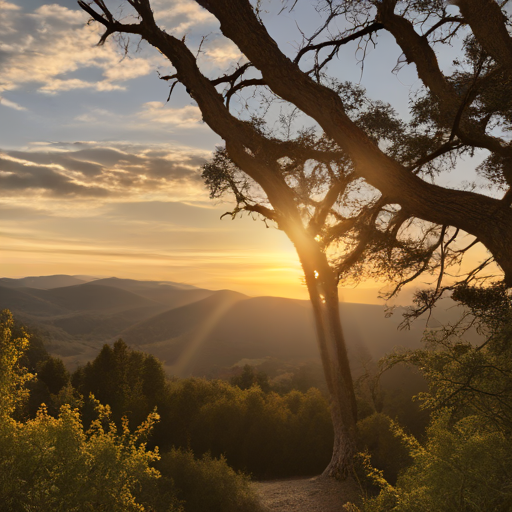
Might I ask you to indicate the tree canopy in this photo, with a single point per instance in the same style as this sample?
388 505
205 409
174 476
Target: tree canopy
318 173
356 188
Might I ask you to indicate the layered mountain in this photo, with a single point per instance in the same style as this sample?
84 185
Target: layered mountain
172 295
193 331
204 337
44 282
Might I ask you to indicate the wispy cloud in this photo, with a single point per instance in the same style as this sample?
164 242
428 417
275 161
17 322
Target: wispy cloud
44 48
221 52
53 49
113 170
180 16
11 104
188 116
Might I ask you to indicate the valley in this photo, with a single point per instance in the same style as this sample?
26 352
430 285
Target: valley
193 331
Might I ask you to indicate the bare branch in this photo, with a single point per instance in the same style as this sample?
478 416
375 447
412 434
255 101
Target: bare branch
338 43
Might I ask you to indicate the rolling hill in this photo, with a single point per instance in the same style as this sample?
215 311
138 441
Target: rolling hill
88 297
44 282
21 301
192 330
171 294
204 337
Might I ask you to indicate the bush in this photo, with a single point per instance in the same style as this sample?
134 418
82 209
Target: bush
466 461
462 467
265 434
206 484
50 463
387 451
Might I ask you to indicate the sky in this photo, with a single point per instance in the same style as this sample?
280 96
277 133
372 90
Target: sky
100 174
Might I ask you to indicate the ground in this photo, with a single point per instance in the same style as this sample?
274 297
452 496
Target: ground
318 494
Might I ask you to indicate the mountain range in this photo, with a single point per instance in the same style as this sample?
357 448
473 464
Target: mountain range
193 331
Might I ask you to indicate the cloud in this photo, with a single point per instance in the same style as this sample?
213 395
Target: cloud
6 6
188 116
180 16
11 104
16 175
222 51
112 171
47 47
186 18
152 115
53 49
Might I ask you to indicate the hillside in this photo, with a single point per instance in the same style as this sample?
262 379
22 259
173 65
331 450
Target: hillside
192 330
21 301
171 294
204 337
88 297
44 282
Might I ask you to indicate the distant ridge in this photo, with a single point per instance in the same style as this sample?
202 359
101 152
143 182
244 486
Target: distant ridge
92 297
178 321
19 301
194 331
129 284
171 294
43 282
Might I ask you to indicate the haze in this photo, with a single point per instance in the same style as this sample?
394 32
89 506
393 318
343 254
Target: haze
100 176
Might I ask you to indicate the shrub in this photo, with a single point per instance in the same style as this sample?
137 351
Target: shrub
466 461
206 484
387 451
50 463
463 467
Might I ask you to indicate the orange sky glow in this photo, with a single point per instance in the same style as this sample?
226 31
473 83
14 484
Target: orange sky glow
100 175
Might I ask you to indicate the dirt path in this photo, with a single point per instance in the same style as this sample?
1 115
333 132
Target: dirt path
306 494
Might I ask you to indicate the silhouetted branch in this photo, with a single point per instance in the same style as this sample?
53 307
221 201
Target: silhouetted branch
338 43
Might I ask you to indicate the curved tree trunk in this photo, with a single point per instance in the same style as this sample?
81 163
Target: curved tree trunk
323 292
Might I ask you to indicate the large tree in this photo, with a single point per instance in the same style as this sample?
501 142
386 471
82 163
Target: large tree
357 192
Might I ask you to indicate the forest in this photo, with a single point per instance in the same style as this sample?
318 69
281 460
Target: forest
357 186
402 179
118 434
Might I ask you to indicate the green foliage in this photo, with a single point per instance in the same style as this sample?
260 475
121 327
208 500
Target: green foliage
206 483
491 306
466 462
50 387
130 382
392 393
50 463
463 467
13 375
261 433
250 377
468 379
387 451
35 353
53 373
45 376
265 434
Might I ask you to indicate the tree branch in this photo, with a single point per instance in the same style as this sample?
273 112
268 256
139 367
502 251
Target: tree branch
488 24
337 43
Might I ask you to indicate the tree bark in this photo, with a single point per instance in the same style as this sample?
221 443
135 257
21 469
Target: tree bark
487 218
488 24
323 293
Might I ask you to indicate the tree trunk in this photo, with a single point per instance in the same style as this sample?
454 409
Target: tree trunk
323 292
487 218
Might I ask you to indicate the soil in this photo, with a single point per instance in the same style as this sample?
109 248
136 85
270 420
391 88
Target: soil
318 494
